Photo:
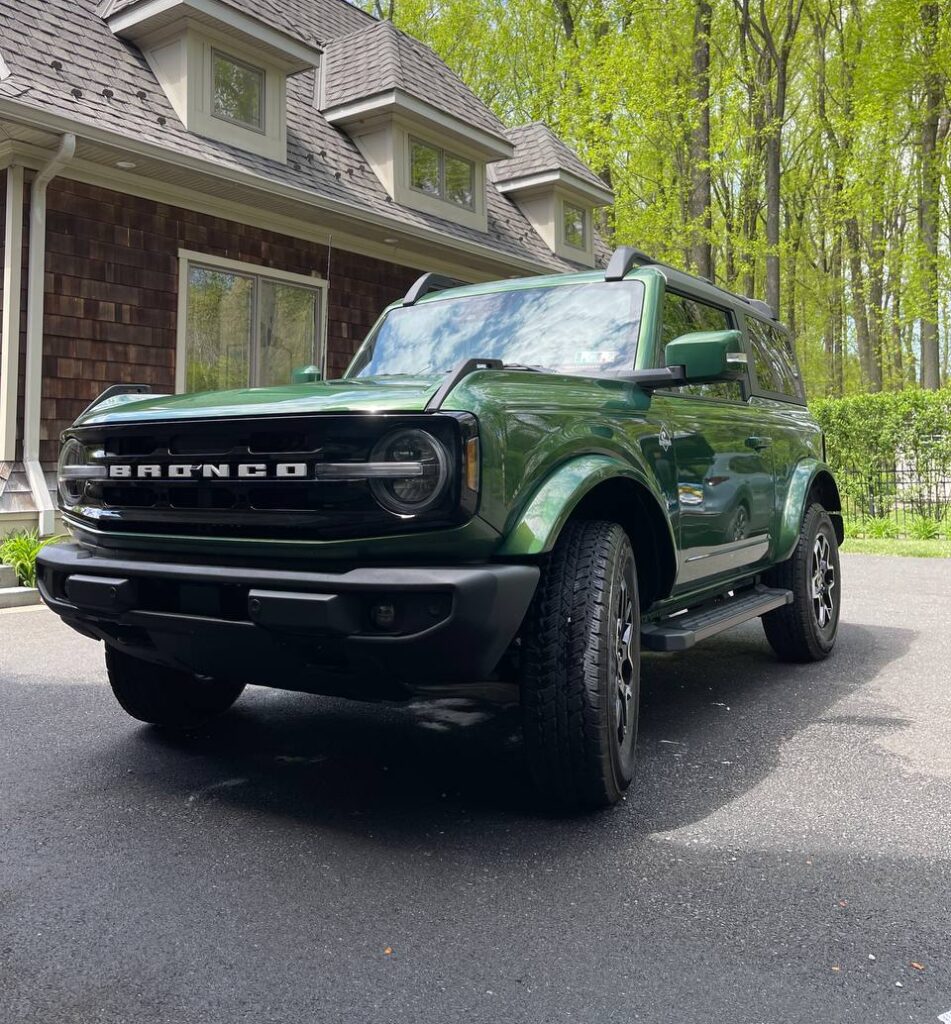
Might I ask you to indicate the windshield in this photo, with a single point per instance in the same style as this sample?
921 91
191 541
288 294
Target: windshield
581 329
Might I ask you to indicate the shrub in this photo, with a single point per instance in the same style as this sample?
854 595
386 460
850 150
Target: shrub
924 528
19 550
873 430
881 529
854 526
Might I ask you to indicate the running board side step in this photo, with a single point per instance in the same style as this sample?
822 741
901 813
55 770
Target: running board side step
679 632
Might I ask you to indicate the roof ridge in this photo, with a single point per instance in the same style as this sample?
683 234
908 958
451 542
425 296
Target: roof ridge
396 37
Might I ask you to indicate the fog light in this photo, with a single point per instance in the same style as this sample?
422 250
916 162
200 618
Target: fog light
383 616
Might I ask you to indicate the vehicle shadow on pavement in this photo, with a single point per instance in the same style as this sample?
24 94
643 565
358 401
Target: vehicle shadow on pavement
713 722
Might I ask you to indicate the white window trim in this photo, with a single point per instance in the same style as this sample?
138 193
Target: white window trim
189 257
443 155
261 72
183 63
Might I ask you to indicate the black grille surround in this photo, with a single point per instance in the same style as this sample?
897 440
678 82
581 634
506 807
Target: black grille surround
265 507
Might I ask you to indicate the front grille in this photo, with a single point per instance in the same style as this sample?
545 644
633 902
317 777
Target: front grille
265 507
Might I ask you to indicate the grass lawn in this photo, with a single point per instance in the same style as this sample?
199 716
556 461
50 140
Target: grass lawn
914 548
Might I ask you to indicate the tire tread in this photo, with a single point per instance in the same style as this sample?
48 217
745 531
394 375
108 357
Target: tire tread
790 630
564 719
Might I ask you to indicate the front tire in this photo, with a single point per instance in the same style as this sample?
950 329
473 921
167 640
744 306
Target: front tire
165 696
806 629
580 677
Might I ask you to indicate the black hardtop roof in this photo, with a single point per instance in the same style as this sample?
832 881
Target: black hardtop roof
625 261
625 258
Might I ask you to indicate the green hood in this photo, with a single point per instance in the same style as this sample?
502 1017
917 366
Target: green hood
365 394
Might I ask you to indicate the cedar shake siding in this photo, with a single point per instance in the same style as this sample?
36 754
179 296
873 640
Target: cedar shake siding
112 273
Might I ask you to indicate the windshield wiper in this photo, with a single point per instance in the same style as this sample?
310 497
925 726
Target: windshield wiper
464 368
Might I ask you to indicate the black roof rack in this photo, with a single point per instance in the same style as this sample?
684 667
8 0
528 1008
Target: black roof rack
626 256
429 283
761 307
622 259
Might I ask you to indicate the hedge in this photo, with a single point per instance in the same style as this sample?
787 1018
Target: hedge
911 428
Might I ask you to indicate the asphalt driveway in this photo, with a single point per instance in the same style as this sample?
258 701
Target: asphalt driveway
786 855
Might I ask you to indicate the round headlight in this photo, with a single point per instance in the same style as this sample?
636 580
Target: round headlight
414 493
69 478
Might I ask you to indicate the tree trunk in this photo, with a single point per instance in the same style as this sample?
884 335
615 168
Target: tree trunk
563 9
929 200
859 310
875 290
838 315
701 251
897 369
774 144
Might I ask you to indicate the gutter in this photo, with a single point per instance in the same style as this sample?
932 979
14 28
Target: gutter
36 281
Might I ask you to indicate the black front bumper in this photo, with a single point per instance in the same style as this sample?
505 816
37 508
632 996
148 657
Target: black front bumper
370 633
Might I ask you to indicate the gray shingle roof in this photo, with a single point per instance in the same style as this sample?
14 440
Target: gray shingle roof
379 57
106 84
539 150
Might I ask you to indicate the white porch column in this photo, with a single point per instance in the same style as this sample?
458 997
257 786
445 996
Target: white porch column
36 288
10 327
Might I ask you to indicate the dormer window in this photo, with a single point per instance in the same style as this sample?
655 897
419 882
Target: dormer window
237 90
575 226
224 71
436 172
419 127
554 189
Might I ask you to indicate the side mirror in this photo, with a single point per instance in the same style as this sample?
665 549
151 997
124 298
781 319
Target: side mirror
695 358
306 375
706 355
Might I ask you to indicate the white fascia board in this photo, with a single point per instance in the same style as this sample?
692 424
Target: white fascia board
5 71
397 103
59 124
564 179
139 20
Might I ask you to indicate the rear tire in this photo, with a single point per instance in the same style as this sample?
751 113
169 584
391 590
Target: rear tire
165 696
806 629
580 677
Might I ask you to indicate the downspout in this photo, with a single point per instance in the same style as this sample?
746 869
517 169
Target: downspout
10 334
36 289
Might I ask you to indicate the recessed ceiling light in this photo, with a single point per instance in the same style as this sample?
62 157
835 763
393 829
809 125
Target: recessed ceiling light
126 165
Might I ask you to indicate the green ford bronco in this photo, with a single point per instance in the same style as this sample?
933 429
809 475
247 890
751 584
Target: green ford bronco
526 481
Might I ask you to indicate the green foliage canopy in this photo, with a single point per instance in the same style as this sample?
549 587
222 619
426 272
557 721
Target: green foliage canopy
821 182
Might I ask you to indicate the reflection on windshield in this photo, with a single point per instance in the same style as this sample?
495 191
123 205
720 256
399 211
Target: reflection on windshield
582 329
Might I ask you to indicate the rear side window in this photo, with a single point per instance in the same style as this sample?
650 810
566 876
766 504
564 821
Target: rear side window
683 316
773 360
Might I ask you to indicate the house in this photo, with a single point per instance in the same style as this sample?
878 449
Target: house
209 193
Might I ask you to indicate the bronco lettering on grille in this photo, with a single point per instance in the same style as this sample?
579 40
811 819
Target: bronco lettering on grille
210 471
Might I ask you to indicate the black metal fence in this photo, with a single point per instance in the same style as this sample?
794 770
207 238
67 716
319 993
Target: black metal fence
895 501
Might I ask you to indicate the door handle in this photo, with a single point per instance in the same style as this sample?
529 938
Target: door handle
758 442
